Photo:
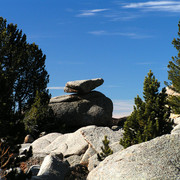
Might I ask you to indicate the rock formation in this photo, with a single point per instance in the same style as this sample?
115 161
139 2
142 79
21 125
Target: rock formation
155 159
84 108
80 147
83 86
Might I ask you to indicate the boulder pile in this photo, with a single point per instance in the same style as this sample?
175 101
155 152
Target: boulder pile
84 107
62 152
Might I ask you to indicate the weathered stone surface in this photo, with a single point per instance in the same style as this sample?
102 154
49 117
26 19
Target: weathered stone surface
83 110
93 162
42 142
83 86
95 135
155 159
79 146
176 130
53 168
89 153
74 159
68 144
177 119
24 147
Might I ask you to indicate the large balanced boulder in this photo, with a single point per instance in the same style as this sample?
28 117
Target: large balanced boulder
156 159
78 110
83 86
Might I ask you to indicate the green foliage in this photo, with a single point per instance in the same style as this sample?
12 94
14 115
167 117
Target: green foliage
150 117
106 150
174 76
22 73
40 117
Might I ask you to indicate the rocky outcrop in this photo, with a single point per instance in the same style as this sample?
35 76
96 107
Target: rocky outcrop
155 159
77 147
82 86
78 110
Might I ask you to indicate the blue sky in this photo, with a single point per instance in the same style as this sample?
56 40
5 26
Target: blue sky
119 41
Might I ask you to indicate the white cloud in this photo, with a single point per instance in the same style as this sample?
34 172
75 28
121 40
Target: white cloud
92 12
55 88
170 6
122 108
101 32
130 35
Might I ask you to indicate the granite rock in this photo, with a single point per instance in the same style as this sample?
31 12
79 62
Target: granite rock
82 86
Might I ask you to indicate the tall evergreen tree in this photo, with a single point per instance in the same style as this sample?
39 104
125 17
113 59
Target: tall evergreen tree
22 73
22 66
150 117
174 76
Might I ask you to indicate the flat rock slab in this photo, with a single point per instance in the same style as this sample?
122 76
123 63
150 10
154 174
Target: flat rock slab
156 159
83 86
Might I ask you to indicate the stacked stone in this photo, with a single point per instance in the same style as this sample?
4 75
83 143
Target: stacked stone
84 107
83 86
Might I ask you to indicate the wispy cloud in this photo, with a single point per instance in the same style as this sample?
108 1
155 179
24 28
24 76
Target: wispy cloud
170 6
122 107
56 88
92 12
130 35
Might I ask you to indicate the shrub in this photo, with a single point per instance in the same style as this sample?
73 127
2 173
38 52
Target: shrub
106 150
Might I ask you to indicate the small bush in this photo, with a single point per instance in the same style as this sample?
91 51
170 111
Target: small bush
106 150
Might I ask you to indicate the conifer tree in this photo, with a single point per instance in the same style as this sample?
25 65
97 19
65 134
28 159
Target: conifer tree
150 117
40 117
22 68
22 73
174 76
106 150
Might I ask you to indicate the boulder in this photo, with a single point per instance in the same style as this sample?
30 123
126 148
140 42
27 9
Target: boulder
41 143
155 159
83 86
28 139
68 144
53 168
77 147
34 170
176 129
76 110
95 135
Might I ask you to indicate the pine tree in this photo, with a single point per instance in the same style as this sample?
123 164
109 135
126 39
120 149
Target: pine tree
22 68
106 150
174 76
40 117
22 73
150 117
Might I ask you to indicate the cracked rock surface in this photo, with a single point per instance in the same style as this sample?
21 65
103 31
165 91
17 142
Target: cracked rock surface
156 159
78 146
